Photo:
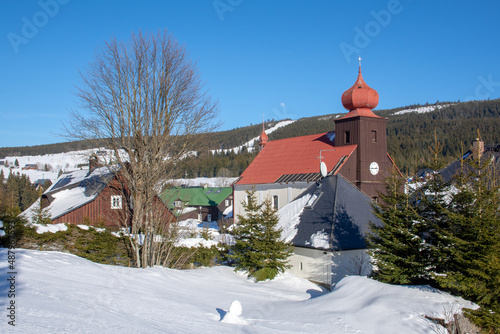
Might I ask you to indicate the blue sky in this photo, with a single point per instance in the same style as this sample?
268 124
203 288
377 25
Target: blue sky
280 58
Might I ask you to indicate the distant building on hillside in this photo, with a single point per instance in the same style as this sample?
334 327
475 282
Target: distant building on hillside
202 203
42 183
30 166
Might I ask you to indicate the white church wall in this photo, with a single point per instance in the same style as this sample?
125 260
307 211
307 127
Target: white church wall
327 267
285 192
311 264
350 263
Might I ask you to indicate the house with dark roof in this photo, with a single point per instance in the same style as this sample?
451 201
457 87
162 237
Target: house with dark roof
31 166
202 203
42 183
94 196
327 225
486 154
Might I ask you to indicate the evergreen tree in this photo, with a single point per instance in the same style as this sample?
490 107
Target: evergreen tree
259 248
400 254
40 215
473 264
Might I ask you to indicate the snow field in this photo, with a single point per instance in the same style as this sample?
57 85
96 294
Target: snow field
62 293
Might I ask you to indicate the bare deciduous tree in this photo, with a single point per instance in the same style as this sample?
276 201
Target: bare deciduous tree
144 100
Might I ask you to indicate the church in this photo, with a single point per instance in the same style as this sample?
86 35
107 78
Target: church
356 150
323 186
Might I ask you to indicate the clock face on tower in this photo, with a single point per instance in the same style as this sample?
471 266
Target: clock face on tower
374 168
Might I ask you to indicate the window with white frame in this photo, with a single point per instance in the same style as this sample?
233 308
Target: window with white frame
178 204
116 202
275 202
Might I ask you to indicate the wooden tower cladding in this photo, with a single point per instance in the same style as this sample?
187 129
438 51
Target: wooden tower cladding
361 127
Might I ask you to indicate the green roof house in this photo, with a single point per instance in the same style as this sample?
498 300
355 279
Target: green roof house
202 203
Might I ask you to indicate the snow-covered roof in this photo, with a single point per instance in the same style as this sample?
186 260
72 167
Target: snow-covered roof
73 190
331 214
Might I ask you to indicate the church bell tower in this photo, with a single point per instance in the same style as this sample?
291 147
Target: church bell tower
361 127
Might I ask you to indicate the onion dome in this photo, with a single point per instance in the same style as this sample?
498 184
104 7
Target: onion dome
263 138
360 99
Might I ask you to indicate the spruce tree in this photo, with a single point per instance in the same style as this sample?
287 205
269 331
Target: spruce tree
259 248
400 254
473 264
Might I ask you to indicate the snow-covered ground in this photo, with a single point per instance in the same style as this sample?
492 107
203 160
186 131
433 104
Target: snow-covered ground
250 144
62 293
204 181
66 162
424 109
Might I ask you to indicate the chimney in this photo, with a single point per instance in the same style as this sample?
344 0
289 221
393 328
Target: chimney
477 149
93 163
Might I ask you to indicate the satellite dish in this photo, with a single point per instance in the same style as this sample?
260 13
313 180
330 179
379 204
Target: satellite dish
323 169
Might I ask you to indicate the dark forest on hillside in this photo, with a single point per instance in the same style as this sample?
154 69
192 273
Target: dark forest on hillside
409 138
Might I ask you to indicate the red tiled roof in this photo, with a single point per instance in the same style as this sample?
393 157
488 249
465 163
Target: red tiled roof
293 156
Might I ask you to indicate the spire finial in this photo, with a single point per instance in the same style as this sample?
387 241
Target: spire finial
359 58
263 121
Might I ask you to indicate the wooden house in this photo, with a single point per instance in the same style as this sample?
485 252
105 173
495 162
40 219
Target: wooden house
30 166
94 196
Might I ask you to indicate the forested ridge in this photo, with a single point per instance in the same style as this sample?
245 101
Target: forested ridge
409 136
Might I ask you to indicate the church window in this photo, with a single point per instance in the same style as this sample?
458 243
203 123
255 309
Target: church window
347 137
374 136
275 202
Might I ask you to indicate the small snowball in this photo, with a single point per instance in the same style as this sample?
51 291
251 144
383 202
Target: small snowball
235 308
